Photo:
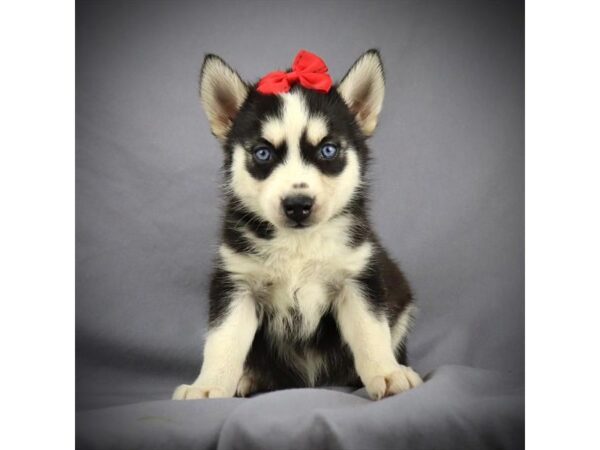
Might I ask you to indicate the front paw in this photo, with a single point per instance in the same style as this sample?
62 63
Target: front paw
399 380
193 392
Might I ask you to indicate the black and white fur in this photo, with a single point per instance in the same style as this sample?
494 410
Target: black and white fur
300 304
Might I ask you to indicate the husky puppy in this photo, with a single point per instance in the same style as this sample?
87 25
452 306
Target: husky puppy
303 293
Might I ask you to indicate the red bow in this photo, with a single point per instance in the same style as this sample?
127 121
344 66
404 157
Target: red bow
308 69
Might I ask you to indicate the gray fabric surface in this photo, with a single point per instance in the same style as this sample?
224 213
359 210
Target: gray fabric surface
447 201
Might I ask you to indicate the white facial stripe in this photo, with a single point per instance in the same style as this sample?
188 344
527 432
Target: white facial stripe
289 128
316 130
295 118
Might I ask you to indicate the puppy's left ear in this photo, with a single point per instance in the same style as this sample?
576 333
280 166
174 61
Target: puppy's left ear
363 88
222 92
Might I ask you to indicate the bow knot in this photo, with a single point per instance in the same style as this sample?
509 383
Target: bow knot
308 69
292 77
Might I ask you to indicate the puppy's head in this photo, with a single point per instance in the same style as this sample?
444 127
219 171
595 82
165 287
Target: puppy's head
294 159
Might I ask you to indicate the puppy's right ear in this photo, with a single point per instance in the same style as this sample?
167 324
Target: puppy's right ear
222 92
362 89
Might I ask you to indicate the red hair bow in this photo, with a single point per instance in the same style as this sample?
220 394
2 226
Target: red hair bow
308 69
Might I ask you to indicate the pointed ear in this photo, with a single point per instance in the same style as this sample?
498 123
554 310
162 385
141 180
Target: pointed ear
363 88
222 92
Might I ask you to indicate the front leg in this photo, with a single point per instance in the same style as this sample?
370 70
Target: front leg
369 337
227 344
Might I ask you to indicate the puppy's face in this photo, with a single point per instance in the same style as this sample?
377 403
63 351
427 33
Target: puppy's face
294 159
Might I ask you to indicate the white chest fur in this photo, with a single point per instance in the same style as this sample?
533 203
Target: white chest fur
296 274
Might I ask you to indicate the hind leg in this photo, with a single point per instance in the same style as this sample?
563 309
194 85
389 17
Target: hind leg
399 332
248 384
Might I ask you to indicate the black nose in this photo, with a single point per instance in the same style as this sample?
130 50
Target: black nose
298 207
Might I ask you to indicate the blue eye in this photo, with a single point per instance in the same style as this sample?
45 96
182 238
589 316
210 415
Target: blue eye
262 154
329 151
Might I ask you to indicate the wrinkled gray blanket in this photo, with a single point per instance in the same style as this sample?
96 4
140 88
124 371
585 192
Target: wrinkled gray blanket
447 201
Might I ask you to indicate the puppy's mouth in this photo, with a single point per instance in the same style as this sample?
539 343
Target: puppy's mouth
298 225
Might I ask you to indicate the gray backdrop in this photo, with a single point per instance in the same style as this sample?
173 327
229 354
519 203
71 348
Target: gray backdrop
448 184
